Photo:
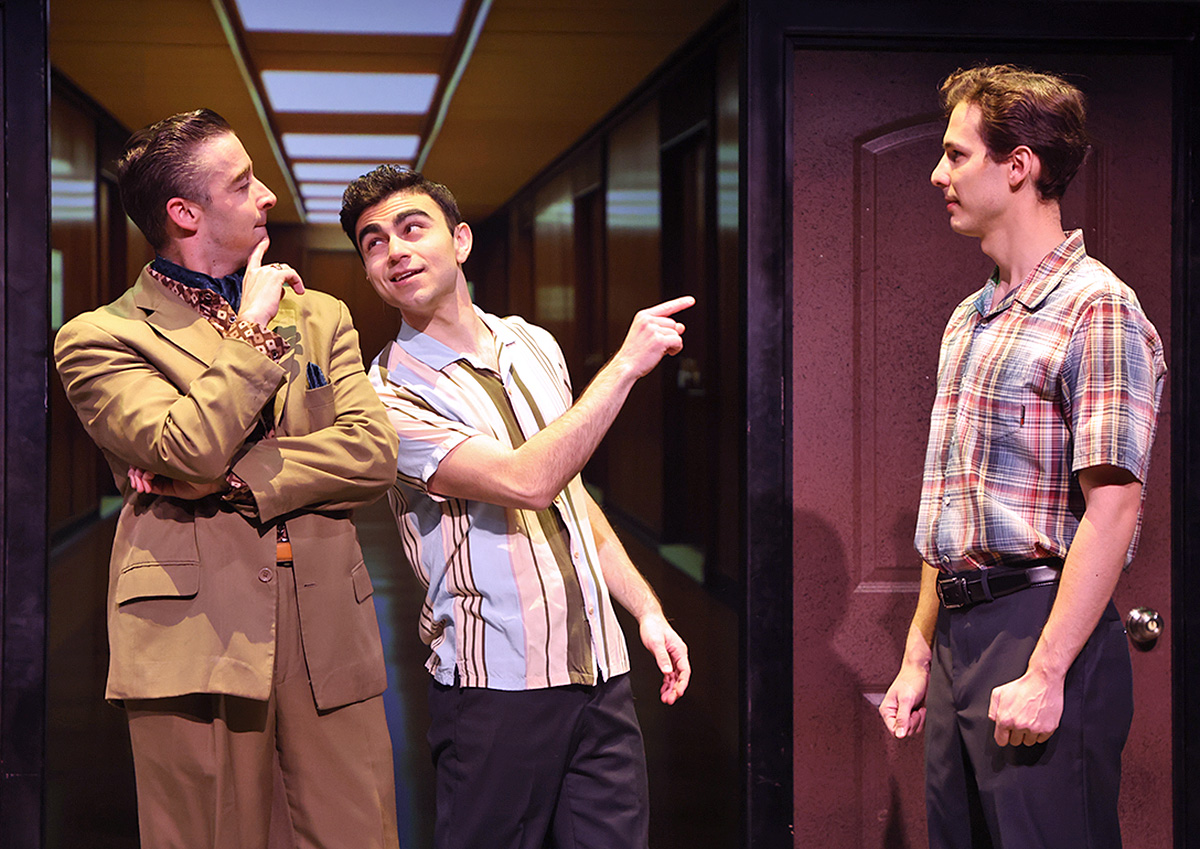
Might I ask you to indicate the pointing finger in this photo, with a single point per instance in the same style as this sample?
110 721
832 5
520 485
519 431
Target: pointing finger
256 255
673 306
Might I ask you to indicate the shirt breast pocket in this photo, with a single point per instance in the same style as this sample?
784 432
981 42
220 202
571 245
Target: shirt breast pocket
996 397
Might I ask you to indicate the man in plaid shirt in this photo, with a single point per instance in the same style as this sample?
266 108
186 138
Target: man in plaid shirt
1049 382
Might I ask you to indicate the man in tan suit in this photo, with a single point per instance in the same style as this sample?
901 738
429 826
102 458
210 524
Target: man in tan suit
233 409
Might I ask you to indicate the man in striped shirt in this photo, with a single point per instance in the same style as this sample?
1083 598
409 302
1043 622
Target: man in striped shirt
1049 384
534 736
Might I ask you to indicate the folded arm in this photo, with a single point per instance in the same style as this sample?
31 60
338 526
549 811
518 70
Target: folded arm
184 443
132 410
348 463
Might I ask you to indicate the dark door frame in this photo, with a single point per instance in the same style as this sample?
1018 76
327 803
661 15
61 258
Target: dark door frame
25 319
772 29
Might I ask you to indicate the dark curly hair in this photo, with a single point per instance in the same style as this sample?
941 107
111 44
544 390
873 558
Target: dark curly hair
159 163
1023 107
388 180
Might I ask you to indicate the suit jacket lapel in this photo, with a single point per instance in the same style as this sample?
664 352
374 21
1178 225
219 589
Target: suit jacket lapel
174 320
183 327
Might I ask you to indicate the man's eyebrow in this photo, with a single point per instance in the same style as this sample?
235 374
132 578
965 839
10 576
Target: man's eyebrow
397 219
242 175
369 229
404 214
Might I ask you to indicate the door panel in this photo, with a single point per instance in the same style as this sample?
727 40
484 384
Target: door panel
876 273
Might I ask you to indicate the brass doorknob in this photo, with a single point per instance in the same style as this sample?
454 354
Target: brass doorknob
1144 626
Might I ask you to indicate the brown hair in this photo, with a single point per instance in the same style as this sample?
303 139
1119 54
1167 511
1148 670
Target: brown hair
388 180
1022 107
159 163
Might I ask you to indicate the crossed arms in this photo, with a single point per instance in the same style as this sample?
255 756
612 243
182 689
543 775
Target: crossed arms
126 383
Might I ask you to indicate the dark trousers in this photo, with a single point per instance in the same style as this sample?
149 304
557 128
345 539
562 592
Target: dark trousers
1056 794
562 767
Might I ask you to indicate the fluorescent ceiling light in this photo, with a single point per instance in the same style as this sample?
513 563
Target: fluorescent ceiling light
79 188
322 190
332 172
323 204
380 17
323 218
333 146
347 91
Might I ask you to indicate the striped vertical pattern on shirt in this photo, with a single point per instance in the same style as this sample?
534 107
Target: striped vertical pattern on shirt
515 598
1063 374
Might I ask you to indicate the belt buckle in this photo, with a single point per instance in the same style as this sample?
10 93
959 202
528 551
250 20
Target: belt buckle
952 591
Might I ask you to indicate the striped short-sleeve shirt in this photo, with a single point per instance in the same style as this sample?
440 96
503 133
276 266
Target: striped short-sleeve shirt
515 598
1065 373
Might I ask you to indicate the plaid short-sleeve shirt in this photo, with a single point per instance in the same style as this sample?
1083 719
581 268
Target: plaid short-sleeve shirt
1065 373
516 599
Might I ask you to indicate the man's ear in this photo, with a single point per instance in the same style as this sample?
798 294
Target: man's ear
1024 166
184 214
463 240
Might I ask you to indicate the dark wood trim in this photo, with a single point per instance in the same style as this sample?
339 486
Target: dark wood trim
1184 364
766 622
771 30
24 316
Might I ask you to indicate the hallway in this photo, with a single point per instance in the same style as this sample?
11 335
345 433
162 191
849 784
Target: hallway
691 748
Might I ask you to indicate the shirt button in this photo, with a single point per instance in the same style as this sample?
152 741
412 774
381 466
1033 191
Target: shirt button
591 610
266 575
575 554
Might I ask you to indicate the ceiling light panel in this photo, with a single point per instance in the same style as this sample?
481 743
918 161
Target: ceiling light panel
331 172
376 17
323 204
322 190
384 148
347 92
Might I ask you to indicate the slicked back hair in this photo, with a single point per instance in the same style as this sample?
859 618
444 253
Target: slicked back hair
388 180
160 163
1022 107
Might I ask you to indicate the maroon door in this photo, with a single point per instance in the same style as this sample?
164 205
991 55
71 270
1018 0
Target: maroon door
876 272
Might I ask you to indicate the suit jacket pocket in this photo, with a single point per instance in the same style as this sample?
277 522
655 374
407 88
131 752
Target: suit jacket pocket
318 404
362 583
157 580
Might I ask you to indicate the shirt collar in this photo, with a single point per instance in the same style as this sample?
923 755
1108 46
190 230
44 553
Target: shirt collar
437 355
1041 281
228 287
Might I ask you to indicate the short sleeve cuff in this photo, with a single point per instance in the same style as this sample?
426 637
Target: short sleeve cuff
452 441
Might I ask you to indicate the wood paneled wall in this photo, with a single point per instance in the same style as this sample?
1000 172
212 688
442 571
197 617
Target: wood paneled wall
89 247
634 260
594 239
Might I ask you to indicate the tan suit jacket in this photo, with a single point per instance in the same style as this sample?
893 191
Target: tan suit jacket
192 592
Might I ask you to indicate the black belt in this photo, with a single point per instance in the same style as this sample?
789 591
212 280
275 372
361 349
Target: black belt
963 589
